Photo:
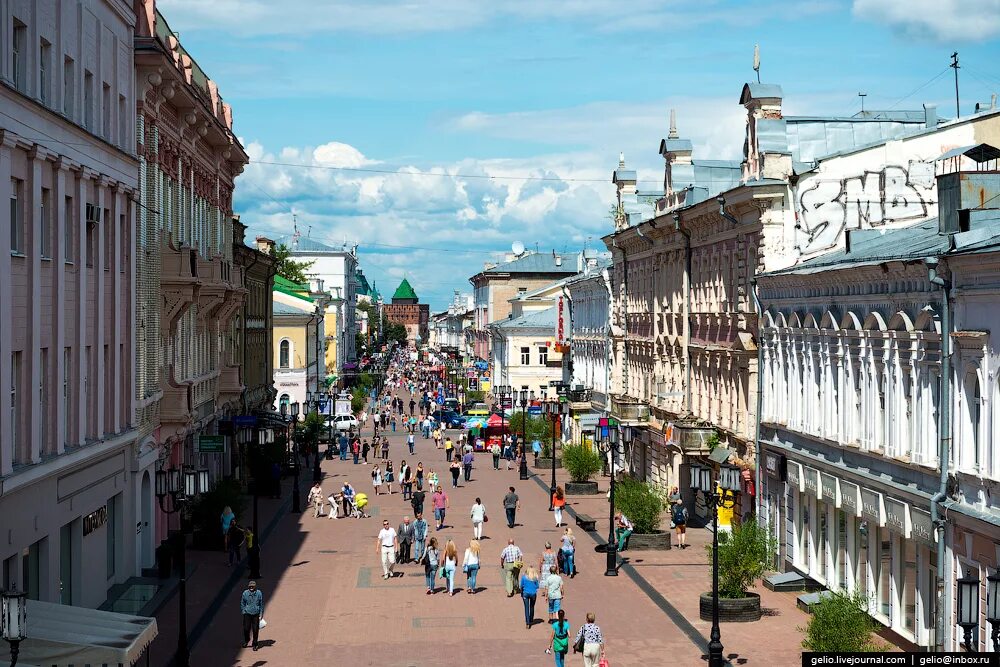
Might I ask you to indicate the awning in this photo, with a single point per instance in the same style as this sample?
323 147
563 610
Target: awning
65 635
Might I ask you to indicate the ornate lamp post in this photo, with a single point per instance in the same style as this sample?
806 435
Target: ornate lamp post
555 410
993 606
718 494
181 486
525 400
312 405
258 437
610 434
968 609
13 621
293 450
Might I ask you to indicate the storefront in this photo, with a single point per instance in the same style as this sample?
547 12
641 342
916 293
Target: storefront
771 500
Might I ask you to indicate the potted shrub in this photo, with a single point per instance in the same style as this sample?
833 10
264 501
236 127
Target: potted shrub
840 623
644 505
744 554
545 458
582 463
206 512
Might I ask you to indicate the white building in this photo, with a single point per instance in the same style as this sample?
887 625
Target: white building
337 268
76 504
589 296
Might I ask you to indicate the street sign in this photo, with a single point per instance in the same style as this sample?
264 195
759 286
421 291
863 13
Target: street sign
211 444
245 420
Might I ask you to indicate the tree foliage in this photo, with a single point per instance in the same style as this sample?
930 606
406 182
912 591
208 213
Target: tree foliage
582 462
641 502
744 554
840 623
288 268
538 427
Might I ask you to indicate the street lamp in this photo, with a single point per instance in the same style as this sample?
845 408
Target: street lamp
525 399
968 608
609 429
13 621
312 405
993 606
555 410
181 486
719 494
258 438
292 448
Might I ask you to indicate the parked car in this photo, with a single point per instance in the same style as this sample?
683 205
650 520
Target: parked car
449 419
345 422
479 410
452 404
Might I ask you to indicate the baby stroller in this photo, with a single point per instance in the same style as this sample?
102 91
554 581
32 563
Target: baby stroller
358 504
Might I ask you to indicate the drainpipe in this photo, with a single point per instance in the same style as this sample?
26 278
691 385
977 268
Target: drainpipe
758 477
606 277
687 312
944 448
722 210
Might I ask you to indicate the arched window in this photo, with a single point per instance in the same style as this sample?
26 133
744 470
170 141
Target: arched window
284 354
284 400
972 455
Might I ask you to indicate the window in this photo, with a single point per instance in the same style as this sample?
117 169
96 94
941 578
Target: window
522 290
45 242
43 397
44 54
525 356
68 87
66 564
284 353
543 355
16 216
91 248
122 122
67 394
68 223
15 408
111 530
106 111
88 100
108 238
19 55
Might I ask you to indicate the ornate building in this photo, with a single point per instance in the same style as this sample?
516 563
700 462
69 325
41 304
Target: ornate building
251 330
190 289
407 310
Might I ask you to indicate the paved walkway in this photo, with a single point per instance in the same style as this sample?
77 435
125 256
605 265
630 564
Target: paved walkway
327 604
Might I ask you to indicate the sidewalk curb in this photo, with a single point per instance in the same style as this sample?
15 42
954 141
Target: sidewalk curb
654 595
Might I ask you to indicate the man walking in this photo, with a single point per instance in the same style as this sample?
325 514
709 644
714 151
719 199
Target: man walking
409 441
495 451
252 607
386 545
405 536
510 557
511 503
419 535
417 502
467 459
441 503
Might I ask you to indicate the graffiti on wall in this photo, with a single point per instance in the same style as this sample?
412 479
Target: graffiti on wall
871 199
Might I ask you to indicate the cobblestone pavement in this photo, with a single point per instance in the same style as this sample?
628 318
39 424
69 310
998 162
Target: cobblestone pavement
326 602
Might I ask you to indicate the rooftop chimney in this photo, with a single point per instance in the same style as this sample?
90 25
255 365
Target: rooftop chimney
930 115
265 245
965 197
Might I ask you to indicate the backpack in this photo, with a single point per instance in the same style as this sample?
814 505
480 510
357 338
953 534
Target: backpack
680 514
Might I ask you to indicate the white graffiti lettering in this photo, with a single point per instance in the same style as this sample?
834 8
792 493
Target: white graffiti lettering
870 199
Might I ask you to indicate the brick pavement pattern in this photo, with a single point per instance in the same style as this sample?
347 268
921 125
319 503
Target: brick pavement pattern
327 604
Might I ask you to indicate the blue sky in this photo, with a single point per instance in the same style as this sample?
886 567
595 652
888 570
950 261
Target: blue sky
435 91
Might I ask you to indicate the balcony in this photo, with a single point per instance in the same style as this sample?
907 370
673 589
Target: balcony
230 385
220 294
175 408
178 283
629 410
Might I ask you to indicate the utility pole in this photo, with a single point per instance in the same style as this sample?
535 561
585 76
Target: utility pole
954 65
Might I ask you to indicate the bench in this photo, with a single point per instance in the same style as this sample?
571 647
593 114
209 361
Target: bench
586 522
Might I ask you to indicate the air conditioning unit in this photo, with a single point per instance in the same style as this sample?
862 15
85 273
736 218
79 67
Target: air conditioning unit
93 214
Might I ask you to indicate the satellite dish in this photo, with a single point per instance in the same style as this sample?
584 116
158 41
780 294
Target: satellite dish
517 248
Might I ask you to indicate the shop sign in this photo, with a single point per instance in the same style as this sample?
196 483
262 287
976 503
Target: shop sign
95 520
922 528
775 465
850 498
245 420
897 516
873 506
211 444
830 486
811 481
795 475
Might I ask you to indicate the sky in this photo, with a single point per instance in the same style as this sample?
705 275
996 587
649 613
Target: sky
435 133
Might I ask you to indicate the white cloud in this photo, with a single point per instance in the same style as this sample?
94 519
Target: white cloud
938 20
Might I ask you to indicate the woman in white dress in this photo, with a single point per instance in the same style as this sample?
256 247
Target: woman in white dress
376 479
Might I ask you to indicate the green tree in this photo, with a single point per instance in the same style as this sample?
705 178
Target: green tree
641 502
840 623
538 427
582 462
289 268
744 554
395 333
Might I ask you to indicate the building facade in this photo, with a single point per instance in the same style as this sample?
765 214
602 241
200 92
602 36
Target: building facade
297 342
589 297
189 289
251 330
75 492
407 310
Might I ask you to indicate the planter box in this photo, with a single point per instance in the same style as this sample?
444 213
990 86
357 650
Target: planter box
581 488
740 610
658 541
545 463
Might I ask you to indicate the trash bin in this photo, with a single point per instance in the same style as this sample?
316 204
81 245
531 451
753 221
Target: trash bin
164 559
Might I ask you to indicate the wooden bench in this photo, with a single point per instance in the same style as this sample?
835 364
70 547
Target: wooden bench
586 522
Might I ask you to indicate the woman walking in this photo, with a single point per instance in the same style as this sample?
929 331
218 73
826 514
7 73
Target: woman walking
558 503
376 479
420 475
554 592
385 448
568 553
227 519
430 558
388 476
593 641
548 560
560 639
470 565
529 594
478 517
450 564
456 469
365 447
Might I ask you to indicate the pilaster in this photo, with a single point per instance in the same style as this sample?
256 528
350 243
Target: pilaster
64 181
6 298
80 358
100 316
33 406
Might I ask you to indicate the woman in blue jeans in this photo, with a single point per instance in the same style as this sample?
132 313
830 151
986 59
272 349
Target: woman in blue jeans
568 552
560 639
470 565
529 593
431 564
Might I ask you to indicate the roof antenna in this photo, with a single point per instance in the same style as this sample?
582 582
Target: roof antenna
673 125
756 60
862 96
309 230
295 232
954 65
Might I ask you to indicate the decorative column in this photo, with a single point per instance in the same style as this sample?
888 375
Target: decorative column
6 302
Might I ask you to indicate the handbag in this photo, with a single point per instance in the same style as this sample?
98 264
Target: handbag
486 518
578 645
603 663
441 571
263 623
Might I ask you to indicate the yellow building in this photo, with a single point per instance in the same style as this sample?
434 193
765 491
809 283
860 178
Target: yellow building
297 326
